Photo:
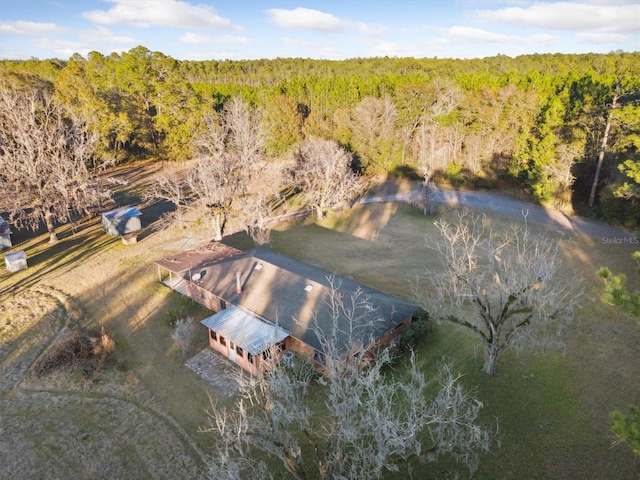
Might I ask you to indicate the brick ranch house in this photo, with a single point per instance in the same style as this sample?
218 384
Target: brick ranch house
265 299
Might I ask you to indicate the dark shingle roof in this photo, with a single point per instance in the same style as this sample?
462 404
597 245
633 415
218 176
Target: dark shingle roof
296 295
197 258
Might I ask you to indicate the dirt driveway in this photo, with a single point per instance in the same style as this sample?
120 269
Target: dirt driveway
514 208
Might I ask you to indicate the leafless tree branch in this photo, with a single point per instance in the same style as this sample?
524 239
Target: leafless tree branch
370 423
323 173
43 162
503 288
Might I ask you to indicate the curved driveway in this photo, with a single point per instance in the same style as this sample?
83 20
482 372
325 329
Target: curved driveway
515 208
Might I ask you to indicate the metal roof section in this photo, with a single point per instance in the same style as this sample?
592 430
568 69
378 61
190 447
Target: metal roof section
121 213
245 329
122 221
15 261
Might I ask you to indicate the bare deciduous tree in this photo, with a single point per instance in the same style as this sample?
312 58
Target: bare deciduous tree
170 187
370 423
323 173
561 173
43 162
243 134
426 105
374 132
216 182
503 288
257 210
229 158
428 190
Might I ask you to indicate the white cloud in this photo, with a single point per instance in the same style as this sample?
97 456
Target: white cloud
599 16
373 29
476 35
328 52
63 48
10 52
306 19
385 49
602 38
102 35
197 39
164 13
311 49
542 39
294 42
317 21
29 28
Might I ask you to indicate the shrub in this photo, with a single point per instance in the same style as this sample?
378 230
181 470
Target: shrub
456 175
615 292
72 351
620 211
413 335
103 348
183 333
627 427
89 354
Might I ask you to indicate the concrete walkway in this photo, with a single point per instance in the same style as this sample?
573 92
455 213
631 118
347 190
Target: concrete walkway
217 371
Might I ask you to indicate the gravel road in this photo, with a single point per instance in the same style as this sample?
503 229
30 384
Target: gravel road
515 208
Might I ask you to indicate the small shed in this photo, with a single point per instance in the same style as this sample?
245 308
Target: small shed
15 261
123 221
5 235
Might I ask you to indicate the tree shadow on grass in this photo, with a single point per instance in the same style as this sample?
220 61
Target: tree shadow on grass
44 259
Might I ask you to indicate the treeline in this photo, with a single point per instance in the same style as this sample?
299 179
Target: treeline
562 129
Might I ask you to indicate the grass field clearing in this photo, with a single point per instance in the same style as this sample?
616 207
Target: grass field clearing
142 416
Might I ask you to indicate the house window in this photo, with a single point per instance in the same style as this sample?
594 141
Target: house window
222 341
239 350
249 357
214 335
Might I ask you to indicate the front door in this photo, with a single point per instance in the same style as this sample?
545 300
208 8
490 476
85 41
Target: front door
232 352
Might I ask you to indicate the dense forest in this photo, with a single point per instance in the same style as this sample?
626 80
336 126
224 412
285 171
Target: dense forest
563 130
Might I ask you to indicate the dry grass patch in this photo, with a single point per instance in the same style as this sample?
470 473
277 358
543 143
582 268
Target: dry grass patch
140 418
29 322
65 435
79 351
67 412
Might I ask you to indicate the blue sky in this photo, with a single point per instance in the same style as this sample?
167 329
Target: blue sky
331 29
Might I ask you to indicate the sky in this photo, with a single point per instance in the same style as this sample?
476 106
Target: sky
326 29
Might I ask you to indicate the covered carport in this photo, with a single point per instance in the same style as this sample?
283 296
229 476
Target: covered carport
176 270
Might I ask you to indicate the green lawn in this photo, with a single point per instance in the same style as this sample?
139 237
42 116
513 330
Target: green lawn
552 410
